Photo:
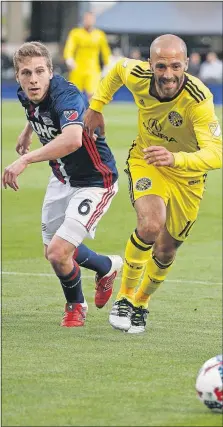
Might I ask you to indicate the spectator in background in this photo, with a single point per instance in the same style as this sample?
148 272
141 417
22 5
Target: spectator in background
115 56
211 69
135 54
194 64
60 66
6 63
84 49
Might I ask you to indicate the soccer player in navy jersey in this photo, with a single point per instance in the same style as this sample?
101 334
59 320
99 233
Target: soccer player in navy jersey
83 183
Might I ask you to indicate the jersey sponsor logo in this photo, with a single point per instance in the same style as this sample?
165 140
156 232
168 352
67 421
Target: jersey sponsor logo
47 120
143 184
215 129
175 118
71 114
154 127
47 132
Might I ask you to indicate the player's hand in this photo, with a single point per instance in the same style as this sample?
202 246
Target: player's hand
92 120
158 156
23 144
11 173
70 63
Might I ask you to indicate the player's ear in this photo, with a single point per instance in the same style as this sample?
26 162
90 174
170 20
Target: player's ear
150 64
186 64
51 74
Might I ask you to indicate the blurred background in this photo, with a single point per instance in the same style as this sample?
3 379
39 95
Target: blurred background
130 27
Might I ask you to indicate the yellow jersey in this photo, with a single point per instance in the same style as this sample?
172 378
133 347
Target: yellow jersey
185 124
85 47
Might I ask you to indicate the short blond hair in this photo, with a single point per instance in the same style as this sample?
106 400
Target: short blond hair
32 49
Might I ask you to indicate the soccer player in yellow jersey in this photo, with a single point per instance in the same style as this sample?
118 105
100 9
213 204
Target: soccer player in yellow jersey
82 54
178 142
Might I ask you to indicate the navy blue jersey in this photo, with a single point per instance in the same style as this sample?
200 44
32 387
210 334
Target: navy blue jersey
93 164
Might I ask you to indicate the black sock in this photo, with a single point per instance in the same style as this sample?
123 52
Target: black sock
71 284
87 258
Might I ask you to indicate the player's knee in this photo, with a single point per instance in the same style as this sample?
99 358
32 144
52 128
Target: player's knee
56 254
149 229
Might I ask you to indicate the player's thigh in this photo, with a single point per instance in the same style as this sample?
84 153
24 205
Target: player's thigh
183 208
151 213
54 206
145 180
86 207
91 82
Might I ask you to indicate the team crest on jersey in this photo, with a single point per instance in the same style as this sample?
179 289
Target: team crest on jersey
175 118
71 114
143 184
215 128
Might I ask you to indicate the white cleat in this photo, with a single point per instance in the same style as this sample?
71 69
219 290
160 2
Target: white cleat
138 320
120 316
136 329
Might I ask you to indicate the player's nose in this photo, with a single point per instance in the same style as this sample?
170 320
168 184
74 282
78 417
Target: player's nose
33 78
168 74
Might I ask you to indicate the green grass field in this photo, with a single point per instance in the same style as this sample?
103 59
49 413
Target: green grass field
96 376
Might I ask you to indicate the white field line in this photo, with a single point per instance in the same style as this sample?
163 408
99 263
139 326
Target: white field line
15 273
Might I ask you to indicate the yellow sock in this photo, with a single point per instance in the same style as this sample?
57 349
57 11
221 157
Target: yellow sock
136 257
155 273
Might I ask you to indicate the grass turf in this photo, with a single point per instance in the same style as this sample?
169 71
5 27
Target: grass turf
96 376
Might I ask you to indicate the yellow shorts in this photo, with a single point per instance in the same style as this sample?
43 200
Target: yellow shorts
182 198
85 81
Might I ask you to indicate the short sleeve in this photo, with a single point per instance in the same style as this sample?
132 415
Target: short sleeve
70 107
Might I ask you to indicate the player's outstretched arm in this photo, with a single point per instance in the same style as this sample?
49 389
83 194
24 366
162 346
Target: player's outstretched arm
24 140
12 172
67 142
